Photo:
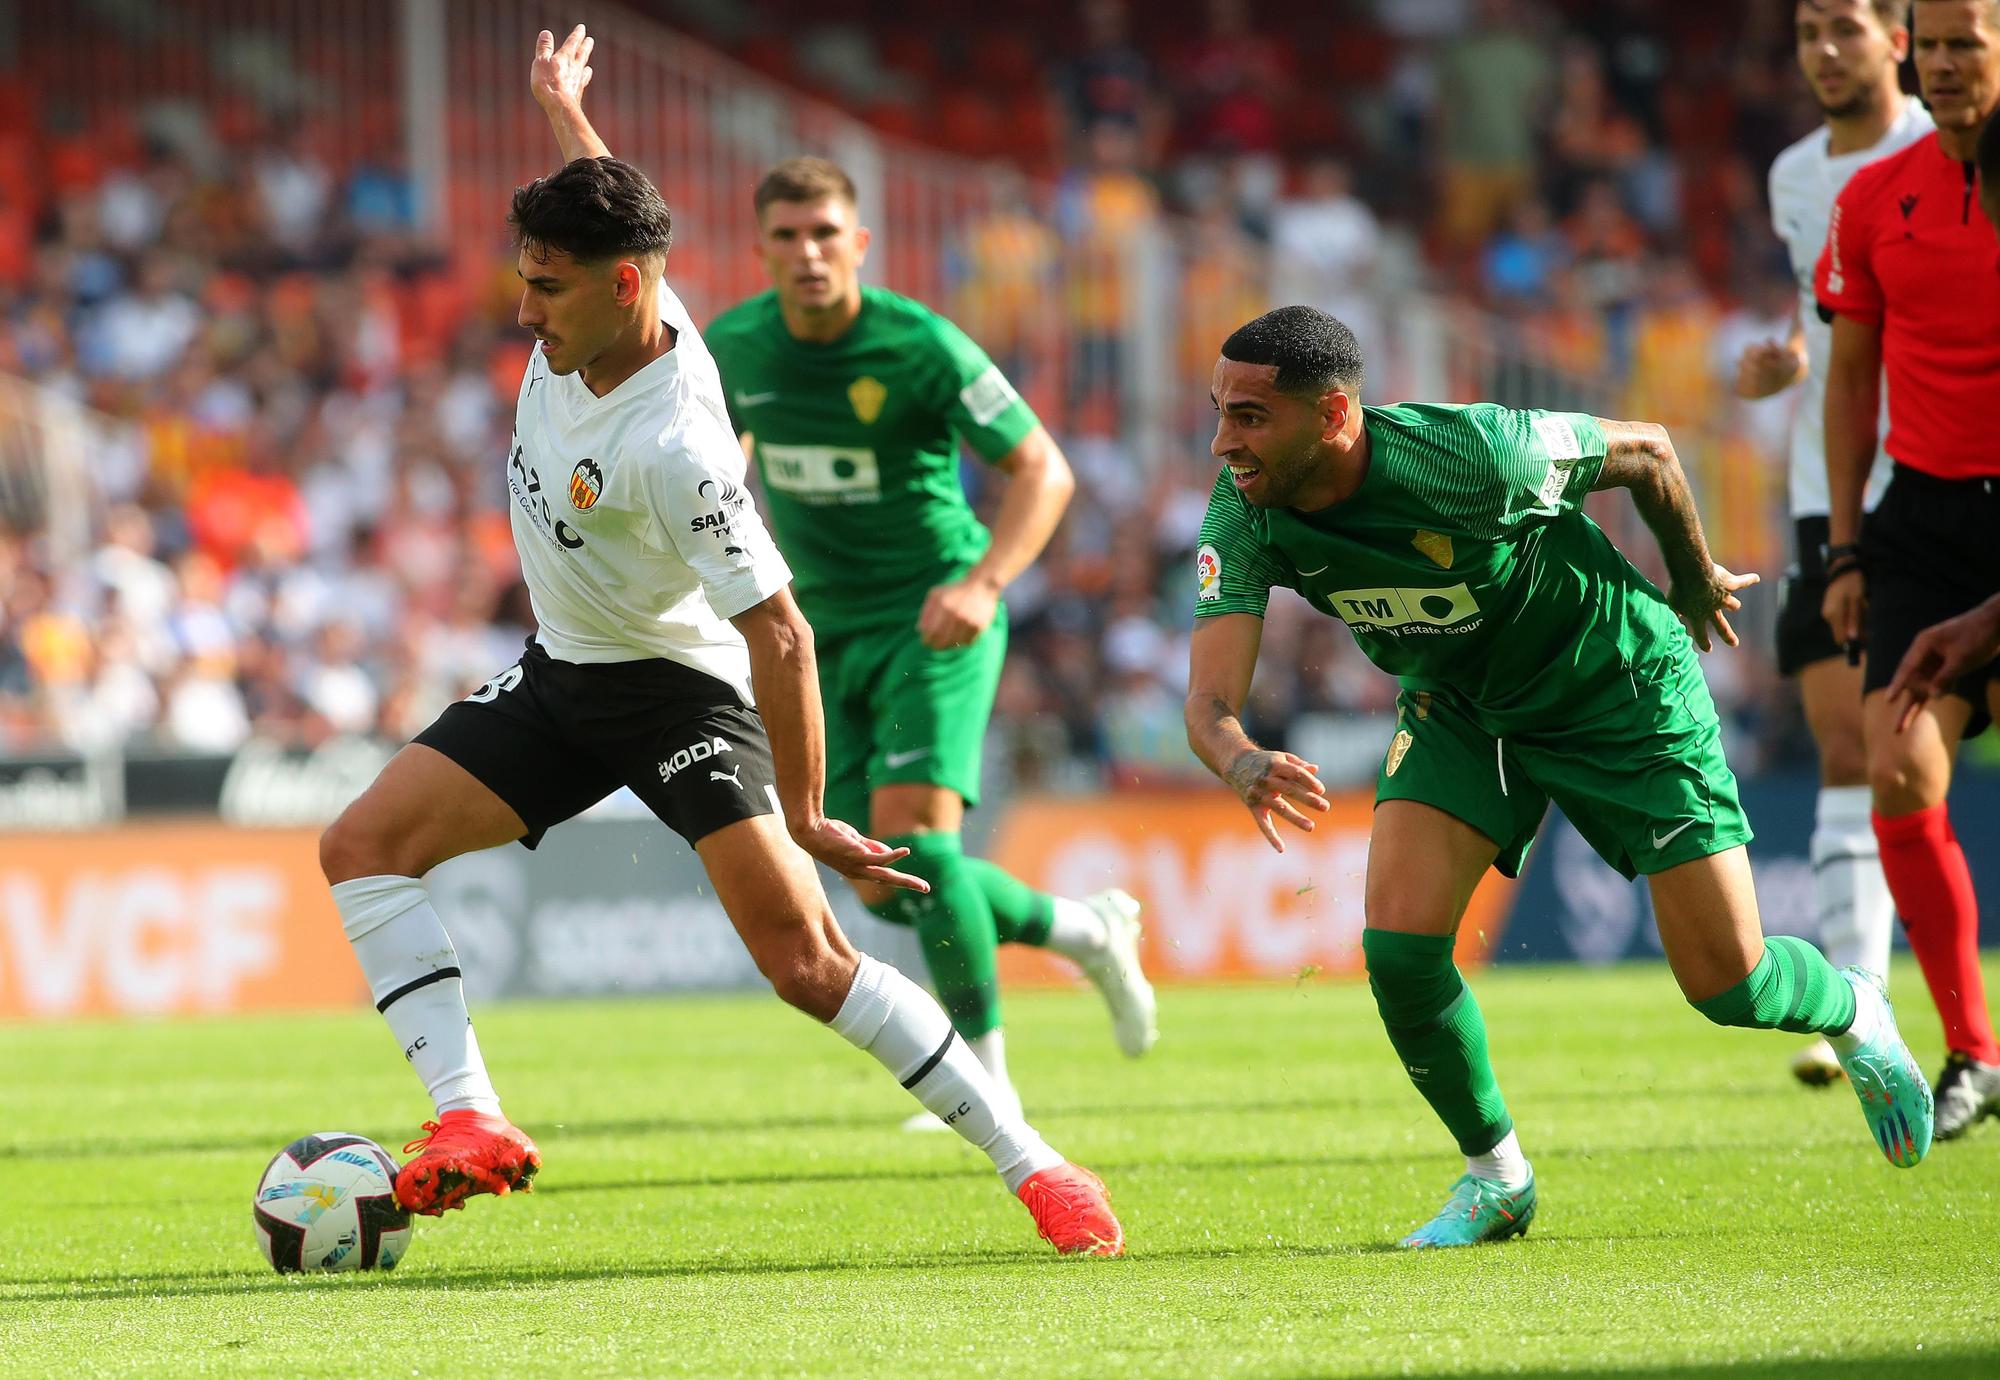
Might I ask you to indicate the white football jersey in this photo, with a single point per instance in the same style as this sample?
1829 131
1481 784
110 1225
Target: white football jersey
1805 181
636 534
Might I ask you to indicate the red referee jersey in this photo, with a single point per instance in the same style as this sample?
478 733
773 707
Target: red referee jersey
1908 249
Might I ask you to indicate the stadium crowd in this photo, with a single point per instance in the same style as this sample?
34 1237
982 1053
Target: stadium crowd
301 527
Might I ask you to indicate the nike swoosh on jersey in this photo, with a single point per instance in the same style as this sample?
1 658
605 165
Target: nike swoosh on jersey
755 399
903 759
1662 840
1307 574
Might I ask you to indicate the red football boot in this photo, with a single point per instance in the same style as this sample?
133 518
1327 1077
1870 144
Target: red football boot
1072 1211
465 1153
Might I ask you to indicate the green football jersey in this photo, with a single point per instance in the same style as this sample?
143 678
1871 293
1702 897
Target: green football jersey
857 446
1464 562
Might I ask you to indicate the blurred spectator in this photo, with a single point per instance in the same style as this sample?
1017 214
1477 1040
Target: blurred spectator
1103 210
1522 259
294 192
1233 78
1108 81
1674 381
1608 248
1590 137
1324 245
1006 274
334 685
143 331
1494 81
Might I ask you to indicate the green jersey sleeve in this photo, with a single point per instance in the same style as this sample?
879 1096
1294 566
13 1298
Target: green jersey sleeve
975 397
1234 570
1547 461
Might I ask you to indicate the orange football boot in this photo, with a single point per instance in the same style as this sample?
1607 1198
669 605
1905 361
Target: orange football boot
465 1153
1072 1211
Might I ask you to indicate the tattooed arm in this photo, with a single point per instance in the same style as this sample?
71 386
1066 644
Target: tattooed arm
1639 456
1273 785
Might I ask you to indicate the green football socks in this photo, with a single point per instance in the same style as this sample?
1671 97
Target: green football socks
955 927
1792 988
1437 1031
1021 914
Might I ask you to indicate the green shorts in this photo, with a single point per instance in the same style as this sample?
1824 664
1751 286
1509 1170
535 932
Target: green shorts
897 711
1643 781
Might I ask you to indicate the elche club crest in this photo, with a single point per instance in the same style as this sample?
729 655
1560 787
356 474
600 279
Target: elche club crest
586 483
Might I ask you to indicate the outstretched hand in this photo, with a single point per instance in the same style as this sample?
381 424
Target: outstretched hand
1706 606
1274 785
854 855
559 75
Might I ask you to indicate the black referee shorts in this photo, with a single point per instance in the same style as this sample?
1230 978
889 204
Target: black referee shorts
1802 634
552 738
1932 551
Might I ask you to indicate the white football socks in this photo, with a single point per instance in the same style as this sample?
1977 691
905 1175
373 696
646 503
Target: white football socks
413 975
990 1050
1077 932
1504 1164
1856 912
897 1021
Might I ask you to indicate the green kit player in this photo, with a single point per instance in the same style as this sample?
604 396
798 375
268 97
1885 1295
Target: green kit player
852 401
1536 665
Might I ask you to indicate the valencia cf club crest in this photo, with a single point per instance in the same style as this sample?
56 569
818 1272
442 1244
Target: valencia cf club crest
586 482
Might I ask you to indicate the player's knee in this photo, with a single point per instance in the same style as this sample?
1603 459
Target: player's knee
1896 784
358 845
807 973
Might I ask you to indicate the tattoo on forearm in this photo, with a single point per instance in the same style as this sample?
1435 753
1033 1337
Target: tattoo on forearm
1640 456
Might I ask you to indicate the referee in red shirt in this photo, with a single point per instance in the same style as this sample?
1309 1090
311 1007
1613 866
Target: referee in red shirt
1911 278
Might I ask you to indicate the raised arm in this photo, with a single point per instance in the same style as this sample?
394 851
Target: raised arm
1639 456
1221 659
1039 485
786 680
557 79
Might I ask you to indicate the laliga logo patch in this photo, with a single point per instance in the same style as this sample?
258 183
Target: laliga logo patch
1208 573
586 483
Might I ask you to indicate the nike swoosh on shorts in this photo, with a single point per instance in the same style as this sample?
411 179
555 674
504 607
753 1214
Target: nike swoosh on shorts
1662 840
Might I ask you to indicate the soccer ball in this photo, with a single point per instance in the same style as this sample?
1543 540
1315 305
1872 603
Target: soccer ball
328 1202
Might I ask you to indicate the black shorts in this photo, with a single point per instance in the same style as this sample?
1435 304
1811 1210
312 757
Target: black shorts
1932 551
1803 636
552 738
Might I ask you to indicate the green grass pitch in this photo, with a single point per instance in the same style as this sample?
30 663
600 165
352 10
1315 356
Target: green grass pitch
726 1192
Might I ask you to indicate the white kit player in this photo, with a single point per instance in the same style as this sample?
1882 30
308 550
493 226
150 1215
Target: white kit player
662 607
1849 51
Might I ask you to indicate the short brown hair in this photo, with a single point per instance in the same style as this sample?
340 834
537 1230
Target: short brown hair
1894 14
804 179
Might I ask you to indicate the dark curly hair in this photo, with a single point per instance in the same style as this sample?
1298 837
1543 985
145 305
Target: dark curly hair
1314 352
591 209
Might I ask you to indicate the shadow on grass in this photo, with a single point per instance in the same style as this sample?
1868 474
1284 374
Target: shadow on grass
547 1132
197 1283
1976 1363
